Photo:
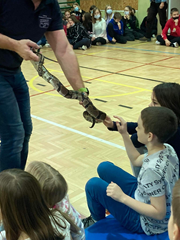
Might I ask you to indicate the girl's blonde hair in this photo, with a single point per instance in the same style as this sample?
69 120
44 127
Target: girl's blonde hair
93 18
24 209
54 186
176 203
106 15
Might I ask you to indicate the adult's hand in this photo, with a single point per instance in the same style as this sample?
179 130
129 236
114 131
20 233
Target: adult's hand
167 42
161 5
23 48
108 122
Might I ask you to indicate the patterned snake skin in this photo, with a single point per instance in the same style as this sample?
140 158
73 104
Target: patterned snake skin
92 114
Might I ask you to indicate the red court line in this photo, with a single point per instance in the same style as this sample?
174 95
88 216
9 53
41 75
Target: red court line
41 93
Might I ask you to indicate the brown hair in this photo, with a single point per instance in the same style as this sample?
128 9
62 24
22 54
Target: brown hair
176 203
93 19
174 10
74 19
23 207
54 186
168 95
117 15
130 10
160 121
76 4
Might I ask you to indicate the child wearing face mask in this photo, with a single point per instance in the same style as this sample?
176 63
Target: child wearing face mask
99 36
108 14
77 11
172 40
91 9
115 30
130 25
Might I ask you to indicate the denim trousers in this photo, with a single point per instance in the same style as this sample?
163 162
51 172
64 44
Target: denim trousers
15 120
98 201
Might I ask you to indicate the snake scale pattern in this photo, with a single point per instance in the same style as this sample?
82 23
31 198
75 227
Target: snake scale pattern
92 114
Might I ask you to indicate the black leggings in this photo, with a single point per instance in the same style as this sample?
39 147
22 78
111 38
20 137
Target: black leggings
99 39
132 35
84 41
170 38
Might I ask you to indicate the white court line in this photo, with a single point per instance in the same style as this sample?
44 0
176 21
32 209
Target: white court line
78 132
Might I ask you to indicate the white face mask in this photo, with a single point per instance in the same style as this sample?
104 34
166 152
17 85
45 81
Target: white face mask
126 12
97 16
109 11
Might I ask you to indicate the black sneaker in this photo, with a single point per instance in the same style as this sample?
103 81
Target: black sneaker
145 39
89 221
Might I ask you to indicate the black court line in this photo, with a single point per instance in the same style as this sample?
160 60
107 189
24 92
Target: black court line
122 74
40 84
87 82
27 80
100 100
125 106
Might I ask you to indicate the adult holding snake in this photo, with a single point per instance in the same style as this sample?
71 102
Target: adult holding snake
22 24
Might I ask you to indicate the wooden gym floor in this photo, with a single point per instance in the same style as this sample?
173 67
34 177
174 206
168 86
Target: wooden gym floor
120 79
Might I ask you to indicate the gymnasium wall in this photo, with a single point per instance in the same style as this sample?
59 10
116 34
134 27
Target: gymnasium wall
115 4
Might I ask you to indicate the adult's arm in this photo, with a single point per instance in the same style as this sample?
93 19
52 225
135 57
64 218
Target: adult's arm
66 57
21 47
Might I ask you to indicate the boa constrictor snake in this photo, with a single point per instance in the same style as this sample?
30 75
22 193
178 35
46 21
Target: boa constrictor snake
92 114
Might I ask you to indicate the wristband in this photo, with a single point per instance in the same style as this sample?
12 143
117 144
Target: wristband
83 90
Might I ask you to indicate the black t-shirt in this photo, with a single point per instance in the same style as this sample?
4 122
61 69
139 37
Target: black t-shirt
19 20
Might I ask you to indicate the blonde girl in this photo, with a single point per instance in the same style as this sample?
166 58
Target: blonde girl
108 14
54 189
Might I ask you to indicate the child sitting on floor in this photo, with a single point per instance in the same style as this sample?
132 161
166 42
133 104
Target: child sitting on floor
54 188
172 40
24 213
77 35
99 28
115 29
141 205
174 221
77 11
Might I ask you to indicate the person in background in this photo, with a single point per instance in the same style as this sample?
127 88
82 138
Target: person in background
172 40
115 30
143 27
91 9
87 22
67 14
99 28
131 31
108 14
77 11
77 35
156 7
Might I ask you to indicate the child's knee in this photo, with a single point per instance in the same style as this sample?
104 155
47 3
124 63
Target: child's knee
92 184
103 168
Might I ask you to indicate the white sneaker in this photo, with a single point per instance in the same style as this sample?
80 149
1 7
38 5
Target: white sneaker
154 36
84 47
176 45
157 42
98 43
47 45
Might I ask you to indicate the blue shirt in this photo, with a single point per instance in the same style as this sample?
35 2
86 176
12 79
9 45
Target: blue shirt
115 28
19 20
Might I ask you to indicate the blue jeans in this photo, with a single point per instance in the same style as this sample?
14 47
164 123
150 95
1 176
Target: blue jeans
15 121
98 201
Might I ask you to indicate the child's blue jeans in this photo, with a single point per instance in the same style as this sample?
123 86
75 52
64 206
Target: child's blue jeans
98 201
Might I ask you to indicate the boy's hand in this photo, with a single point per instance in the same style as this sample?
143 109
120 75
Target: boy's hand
119 25
123 127
115 192
113 40
167 42
176 22
161 5
108 122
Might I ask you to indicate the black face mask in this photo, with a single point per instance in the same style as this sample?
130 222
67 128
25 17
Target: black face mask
175 18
